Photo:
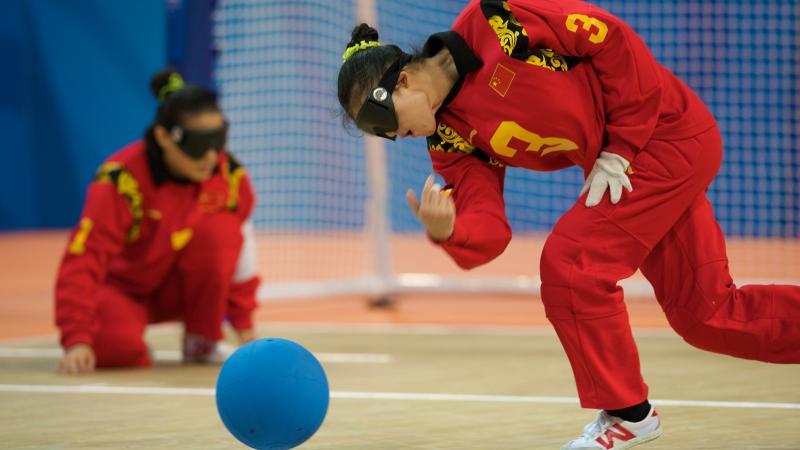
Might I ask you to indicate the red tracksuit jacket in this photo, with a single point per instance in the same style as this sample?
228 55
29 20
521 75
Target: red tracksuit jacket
130 233
544 85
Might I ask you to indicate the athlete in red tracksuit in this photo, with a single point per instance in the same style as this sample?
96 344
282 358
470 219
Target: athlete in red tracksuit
164 235
549 84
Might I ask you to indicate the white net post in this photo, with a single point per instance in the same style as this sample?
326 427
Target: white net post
378 226
377 215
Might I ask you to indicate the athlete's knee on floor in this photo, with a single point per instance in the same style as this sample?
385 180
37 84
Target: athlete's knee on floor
116 349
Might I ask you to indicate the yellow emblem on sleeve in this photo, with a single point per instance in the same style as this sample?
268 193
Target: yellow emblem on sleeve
78 244
180 238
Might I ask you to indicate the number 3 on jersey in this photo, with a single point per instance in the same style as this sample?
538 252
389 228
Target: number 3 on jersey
587 23
509 130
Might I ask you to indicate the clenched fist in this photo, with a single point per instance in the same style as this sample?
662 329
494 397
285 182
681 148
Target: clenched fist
435 210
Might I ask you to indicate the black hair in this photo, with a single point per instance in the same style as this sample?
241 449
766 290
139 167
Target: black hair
176 102
363 70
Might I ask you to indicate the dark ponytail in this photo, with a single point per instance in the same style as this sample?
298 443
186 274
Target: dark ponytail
363 32
178 99
363 68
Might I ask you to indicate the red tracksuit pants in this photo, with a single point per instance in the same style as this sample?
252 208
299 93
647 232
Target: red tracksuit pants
195 291
665 227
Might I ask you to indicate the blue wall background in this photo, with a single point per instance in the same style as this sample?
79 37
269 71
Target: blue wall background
73 89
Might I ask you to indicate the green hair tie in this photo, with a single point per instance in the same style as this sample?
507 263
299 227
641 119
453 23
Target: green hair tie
174 82
353 49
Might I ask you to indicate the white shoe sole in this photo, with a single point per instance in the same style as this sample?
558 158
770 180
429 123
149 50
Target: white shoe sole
633 442
640 440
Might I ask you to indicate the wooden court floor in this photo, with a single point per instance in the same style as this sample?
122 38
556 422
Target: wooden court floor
412 388
436 372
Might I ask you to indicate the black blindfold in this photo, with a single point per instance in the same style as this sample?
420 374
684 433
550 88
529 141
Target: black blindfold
377 115
196 143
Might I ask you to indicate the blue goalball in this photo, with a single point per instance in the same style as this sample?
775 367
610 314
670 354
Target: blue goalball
272 394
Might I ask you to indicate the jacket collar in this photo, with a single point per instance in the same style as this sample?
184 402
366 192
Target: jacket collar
465 59
158 168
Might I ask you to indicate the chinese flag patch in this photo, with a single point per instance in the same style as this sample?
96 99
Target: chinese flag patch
501 79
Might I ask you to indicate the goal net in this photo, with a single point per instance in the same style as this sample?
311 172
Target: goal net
332 216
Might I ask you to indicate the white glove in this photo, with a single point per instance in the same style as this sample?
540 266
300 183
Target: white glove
608 173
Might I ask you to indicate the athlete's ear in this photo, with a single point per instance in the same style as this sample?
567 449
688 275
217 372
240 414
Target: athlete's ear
402 80
162 136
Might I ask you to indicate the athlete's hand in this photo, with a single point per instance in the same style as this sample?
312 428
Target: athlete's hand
246 336
608 174
435 210
77 359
